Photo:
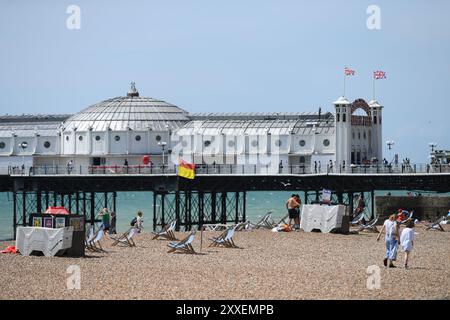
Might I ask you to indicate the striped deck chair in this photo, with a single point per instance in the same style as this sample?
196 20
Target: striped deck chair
95 243
183 246
266 222
370 226
436 225
167 232
225 239
89 238
358 219
126 238
282 220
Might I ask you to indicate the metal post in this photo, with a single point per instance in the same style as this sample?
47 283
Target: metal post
372 194
236 195
213 207
14 214
92 208
162 206
77 202
154 211
38 202
224 208
24 208
244 206
177 209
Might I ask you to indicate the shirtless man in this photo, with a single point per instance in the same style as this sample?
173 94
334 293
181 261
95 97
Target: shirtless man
293 207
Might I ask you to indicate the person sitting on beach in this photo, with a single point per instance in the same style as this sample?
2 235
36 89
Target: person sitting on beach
293 207
402 215
407 240
391 239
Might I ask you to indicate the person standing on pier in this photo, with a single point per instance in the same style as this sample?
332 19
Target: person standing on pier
315 166
391 238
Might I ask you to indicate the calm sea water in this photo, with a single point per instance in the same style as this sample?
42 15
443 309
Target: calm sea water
128 203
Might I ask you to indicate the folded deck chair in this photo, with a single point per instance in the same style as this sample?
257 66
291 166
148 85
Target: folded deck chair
266 222
126 238
183 246
370 226
436 225
166 232
225 239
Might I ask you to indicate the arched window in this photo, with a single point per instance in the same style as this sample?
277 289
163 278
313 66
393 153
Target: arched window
302 159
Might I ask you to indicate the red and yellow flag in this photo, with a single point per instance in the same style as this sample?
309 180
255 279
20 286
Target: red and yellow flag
186 169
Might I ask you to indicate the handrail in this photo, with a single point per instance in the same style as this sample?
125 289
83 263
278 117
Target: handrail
225 169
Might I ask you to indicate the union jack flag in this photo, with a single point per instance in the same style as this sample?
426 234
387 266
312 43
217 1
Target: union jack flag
379 75
349 72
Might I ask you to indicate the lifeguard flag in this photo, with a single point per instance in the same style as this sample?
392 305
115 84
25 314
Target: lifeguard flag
186 170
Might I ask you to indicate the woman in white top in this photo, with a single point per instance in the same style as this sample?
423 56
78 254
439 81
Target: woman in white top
391 239
407 240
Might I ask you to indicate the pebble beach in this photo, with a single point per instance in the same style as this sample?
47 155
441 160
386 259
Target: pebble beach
293 265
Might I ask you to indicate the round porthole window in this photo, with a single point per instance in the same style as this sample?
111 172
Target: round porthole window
326 142
47 144
2 145
254 143
158 138
117 138
302 143
80 138
184 144
97 138
138 138
278 143
207 143
231 143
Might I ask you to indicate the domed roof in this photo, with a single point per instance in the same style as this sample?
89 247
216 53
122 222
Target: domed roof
341 101
130 112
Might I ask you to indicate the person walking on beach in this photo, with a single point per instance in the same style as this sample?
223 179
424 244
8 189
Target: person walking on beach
407 240
138 221
391 238
293 208
113 229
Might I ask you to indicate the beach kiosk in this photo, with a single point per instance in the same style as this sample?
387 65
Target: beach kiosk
60 217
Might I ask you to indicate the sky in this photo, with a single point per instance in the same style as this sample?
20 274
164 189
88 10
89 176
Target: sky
223 56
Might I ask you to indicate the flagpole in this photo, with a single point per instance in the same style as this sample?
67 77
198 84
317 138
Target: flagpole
344 84
373 88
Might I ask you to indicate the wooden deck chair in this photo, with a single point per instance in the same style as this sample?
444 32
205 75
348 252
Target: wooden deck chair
436 225
266 222
183 246
370 226
126 238
358 219
89 238
282 220
95 244
167 232
225 239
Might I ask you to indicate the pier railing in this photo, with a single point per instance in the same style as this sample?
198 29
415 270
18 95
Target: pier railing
225 169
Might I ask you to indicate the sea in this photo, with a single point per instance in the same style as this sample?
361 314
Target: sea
128 203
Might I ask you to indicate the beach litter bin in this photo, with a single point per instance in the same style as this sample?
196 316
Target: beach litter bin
63 220
325 218
49 241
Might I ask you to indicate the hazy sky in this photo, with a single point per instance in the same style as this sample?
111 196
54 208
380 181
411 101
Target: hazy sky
217 55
